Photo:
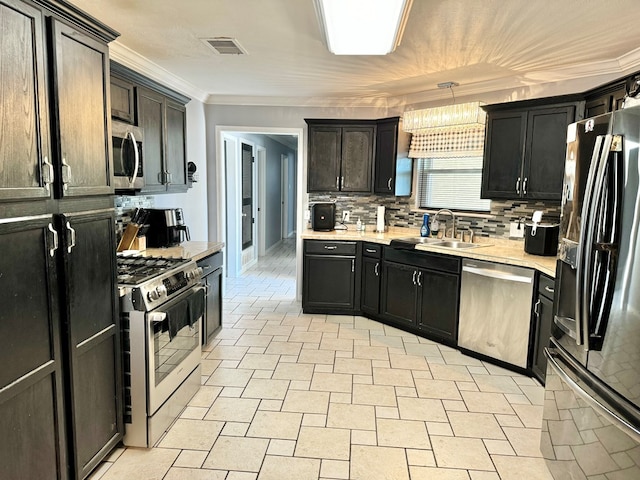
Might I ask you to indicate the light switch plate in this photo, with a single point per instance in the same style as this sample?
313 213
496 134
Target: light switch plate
307 215
516 232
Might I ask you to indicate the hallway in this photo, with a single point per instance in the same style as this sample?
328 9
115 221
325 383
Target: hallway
306 397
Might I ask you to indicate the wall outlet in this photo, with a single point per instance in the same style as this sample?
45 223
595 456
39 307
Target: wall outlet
307 214
345 216
516 232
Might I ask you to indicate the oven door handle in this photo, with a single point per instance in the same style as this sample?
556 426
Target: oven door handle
157 317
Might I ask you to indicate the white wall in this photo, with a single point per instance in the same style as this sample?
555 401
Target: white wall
194 202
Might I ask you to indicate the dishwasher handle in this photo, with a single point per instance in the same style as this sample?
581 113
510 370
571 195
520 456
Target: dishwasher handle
498 274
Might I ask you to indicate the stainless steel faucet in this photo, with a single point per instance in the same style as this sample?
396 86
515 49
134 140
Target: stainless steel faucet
453 221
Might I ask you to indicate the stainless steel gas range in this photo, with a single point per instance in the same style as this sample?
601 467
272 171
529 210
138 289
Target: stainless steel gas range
162 304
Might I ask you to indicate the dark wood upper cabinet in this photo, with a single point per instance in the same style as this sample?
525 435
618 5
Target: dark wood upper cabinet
25 159
605 99
176 154
386 154
340 155
151 120
123 100
524 150
81 73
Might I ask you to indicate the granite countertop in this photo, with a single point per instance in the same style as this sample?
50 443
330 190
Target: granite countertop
491 249
193 250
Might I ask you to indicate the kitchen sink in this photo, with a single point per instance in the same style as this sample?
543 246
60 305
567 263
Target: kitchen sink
409 243
455 244
417 240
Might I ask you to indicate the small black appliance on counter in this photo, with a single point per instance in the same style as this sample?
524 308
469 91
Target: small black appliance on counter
166 228
541 238
323 216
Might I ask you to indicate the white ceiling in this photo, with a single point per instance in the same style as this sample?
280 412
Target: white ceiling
485 45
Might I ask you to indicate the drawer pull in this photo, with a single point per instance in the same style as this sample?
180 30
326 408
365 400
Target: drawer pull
370 250
549 289
330 247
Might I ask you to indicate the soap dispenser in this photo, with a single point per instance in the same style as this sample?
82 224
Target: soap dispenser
424 229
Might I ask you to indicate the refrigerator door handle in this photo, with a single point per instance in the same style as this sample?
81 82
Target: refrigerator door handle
591 397
584 224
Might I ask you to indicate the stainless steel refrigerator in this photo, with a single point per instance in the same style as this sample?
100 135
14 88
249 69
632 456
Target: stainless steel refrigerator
591 419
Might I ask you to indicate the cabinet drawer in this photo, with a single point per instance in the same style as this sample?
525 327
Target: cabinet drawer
372 250
210 263
546 286
431 261
330 248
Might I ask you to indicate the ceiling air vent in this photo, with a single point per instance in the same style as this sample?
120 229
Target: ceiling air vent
225 46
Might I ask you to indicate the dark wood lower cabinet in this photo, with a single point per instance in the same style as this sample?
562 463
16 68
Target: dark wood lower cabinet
370 294
439 300
543 321
212 279
399 294
329 283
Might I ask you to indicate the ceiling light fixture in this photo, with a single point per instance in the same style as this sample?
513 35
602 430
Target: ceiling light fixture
450 116
362 27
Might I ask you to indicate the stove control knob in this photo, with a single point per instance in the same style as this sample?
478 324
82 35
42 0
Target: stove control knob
195 273
159 292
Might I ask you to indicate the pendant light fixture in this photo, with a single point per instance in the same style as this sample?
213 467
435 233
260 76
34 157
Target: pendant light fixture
362 27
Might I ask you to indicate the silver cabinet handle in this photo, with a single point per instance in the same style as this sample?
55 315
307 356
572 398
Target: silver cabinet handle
414 277
375 269
536 308
72 243
66 174
337 183
518 186
419 280
169 178
370 250
389 183
330 247
524 185
48 173
549 289
353 265
341 183
52 250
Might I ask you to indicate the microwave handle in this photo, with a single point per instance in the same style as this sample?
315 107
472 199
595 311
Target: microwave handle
137 157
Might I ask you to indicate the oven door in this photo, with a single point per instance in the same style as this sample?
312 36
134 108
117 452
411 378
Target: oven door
174 344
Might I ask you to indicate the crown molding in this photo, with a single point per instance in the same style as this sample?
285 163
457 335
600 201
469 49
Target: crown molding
346 102
129 58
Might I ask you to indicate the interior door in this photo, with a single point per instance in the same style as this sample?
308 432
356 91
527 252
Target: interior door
247 196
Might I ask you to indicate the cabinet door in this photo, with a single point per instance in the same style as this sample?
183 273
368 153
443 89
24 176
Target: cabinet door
385 160
31 389
357 159
370 296
24 149
213 310
80 78
329 283
503 154
151 120
122 100
176 157
439 299
399 293
543 314
325 150
92 337
545 152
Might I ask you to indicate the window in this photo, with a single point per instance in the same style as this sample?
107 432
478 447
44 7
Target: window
449 168
451 182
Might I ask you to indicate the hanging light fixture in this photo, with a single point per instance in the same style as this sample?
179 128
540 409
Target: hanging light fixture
449 116
362 27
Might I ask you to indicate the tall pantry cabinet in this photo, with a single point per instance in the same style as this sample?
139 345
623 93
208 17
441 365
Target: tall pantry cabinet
60 382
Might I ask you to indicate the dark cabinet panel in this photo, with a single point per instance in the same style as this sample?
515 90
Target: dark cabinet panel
25 168
329 282
176 155
31 389
151 118
439 303
545 149
212 278
605 99
80 78
91 337
399 293
123 100
357 158
325 147
385 158
524 151
370 296
503 155
543 318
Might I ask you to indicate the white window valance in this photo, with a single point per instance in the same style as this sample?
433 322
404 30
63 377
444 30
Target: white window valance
463 141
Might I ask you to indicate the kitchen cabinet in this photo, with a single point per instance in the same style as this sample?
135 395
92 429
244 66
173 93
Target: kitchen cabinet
524 150
161 113
91 335
421 291
371 274
386 153
330 277
605 99
212 279
543 321
123 100
340 155
31 387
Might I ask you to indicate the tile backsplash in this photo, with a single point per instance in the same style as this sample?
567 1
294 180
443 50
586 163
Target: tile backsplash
400 212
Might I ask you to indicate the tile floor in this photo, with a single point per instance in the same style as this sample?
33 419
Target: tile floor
291 396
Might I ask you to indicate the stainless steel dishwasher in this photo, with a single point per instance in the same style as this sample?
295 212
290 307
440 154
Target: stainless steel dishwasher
495 310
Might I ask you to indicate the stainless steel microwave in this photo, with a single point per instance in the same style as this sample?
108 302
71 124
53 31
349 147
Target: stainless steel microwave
128 162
